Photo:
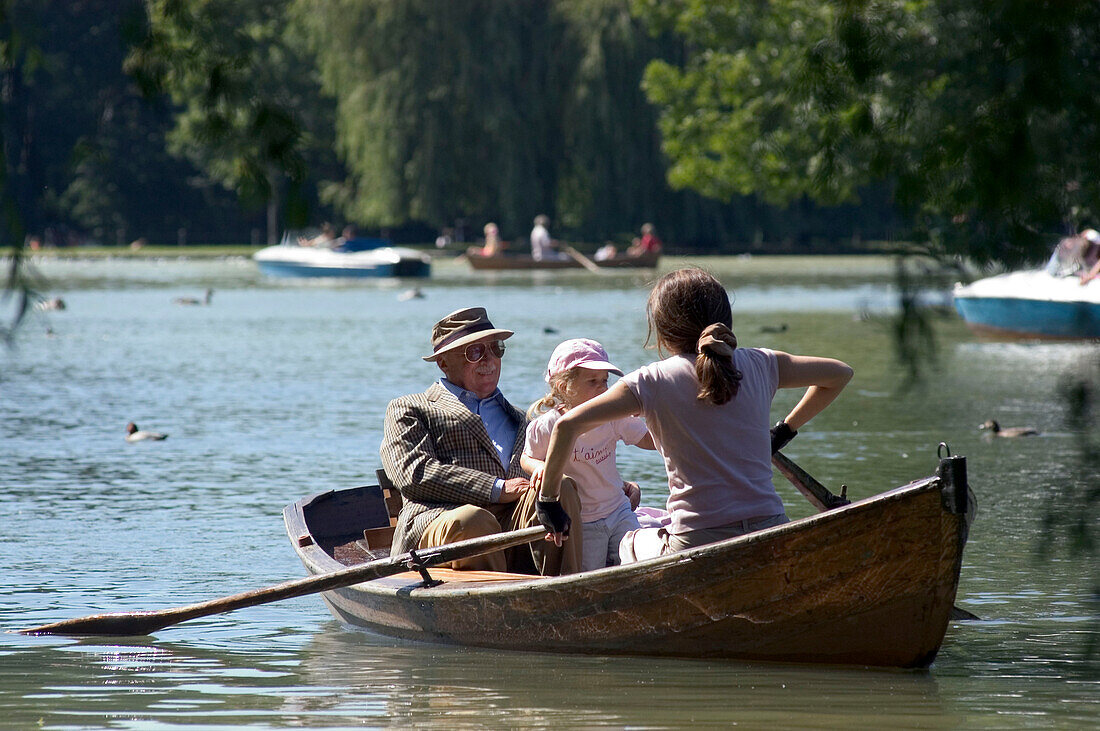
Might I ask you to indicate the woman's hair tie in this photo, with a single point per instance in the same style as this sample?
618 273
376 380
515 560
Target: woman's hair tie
717 339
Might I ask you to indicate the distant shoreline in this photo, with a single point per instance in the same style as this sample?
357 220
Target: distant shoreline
145 252
215 251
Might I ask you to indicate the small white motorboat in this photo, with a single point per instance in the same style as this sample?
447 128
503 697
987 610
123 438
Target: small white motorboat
357 257
1034 303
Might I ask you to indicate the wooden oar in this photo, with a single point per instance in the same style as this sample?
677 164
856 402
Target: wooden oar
143 623
818 495
583 260
824 499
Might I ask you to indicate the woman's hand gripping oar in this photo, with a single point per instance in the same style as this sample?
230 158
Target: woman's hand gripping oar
143 623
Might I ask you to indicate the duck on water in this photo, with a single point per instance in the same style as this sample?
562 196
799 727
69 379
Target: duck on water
133 434
997 430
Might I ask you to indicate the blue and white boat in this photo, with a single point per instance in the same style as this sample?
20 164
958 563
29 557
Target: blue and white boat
1035 303
358 257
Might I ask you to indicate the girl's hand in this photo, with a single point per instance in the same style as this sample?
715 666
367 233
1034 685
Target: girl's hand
536 476
634 493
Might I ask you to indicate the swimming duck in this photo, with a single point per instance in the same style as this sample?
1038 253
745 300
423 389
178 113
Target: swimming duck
774 329
133 434
194 300
54 303
1012 431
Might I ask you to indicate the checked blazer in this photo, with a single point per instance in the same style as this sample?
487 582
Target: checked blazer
439 455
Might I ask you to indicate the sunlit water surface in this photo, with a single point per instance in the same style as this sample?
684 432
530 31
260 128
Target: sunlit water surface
277 390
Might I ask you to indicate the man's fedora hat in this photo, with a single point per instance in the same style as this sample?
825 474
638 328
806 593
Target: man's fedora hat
462 327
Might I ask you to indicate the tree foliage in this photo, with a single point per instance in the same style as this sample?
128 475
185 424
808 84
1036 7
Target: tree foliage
497 110
979 114
247 96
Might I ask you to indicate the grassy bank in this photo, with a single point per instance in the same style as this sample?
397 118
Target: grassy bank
145 252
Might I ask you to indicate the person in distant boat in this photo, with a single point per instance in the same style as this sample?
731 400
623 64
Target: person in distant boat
444 239
493 245
707 407
326 238
647 244
577 372
1078 255
454 454
606 252
544 248
1090 255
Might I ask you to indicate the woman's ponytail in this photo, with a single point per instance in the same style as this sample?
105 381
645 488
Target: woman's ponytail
719 379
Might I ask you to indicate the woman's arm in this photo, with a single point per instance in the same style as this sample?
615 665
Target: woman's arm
616 403
823 378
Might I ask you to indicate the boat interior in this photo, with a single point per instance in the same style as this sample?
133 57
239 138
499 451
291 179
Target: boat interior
355 526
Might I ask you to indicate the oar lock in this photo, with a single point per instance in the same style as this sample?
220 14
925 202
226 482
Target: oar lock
417 564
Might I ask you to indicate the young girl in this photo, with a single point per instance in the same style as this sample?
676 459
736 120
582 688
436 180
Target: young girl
577 372
707 407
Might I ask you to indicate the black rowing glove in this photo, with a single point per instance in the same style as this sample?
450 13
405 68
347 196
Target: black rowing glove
781 436
552 516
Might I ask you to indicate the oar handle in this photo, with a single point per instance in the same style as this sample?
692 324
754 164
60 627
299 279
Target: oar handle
143 623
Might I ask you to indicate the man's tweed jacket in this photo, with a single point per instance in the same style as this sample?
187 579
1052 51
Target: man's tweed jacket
439 455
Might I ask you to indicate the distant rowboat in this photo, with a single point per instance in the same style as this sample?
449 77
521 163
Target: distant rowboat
870 583
526 261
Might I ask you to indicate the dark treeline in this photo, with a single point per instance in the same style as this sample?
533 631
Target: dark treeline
224 120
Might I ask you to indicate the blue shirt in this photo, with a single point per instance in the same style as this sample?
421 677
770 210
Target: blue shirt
498 423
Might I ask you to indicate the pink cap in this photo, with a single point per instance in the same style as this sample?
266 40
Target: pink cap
580 352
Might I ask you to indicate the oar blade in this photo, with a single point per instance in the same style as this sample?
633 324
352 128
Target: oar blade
120 624
127 624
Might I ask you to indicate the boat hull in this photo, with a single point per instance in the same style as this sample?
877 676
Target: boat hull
872 583
522 262
298 261
1031 304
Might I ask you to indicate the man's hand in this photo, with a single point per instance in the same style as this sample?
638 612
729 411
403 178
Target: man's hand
634 493
554 518
782 434
513 489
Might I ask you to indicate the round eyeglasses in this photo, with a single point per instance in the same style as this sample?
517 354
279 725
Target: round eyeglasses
476 352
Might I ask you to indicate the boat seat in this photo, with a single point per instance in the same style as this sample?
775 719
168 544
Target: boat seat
377 538
391 493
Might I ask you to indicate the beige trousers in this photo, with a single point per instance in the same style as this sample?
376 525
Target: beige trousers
539 557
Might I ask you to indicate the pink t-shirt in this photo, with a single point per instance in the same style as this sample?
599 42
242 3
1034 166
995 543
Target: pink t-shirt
593 461
718 458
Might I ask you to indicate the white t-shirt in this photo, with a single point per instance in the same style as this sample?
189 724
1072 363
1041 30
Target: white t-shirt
540 243
593 461
718 458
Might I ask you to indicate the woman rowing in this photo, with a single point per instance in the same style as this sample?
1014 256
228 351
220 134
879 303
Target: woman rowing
707 406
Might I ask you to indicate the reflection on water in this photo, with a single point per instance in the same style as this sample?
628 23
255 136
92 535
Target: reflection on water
277 390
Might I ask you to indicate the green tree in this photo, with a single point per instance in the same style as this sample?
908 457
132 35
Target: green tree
250 111
444 110
979 114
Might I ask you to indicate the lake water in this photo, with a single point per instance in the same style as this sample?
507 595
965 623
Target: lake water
277 390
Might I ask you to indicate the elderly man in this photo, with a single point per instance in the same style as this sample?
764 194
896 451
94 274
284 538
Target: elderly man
454 453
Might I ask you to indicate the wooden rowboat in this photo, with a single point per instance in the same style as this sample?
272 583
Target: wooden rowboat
526 261
870 583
